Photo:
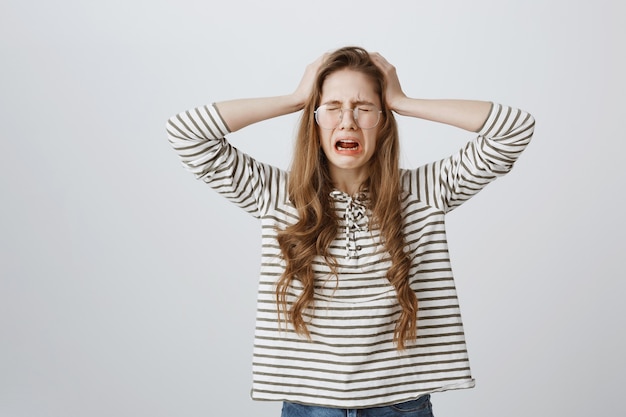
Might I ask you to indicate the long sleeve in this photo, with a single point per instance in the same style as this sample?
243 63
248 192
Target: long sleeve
198 136
448 183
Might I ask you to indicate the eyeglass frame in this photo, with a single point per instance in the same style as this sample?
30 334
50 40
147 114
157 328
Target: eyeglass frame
354 110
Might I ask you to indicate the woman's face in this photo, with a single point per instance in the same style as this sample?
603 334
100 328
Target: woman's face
348 147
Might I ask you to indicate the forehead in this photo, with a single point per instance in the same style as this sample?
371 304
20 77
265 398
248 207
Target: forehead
348 86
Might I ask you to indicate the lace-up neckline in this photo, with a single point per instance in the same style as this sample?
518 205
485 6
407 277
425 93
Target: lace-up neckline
355 216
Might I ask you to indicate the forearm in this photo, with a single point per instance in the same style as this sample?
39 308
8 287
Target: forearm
240 113
465 114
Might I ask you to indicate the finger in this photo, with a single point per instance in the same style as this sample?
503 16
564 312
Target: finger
380 61
377 56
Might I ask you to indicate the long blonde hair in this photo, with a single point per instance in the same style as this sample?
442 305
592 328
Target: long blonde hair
309 188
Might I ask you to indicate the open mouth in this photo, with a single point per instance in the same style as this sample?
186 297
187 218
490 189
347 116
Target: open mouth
347 145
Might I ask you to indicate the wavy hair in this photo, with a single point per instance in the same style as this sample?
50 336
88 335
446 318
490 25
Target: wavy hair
309 190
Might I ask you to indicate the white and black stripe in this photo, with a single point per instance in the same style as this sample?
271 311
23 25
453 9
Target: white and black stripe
351 360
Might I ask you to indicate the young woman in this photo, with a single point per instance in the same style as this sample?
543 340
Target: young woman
357 309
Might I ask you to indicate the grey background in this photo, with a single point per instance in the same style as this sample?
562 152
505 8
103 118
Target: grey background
127 288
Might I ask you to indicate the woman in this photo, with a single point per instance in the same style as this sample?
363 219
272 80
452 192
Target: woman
357 308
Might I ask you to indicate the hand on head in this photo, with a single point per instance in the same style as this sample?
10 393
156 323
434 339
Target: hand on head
305 87
393 94
394 91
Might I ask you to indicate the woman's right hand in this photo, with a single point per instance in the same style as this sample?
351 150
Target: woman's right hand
240 113
303 91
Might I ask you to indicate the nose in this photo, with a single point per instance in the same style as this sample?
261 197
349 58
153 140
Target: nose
347 122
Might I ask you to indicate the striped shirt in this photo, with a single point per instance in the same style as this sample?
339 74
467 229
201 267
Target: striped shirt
351 361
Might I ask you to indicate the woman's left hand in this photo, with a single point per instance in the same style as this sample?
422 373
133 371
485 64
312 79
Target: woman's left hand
394 94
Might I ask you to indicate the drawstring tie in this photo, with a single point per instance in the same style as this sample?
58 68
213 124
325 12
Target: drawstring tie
355 211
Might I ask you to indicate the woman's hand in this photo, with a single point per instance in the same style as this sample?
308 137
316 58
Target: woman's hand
466 114
240 113
303 91
394 94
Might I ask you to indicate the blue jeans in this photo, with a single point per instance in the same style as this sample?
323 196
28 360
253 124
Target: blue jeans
414 408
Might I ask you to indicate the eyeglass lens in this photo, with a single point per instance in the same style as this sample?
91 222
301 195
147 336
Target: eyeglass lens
330 116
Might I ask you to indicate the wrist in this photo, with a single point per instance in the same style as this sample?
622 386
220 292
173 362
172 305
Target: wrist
400 105
296 101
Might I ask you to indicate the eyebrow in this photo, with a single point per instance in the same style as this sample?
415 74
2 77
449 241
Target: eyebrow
354 103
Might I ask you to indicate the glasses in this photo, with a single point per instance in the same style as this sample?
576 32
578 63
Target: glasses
329 116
